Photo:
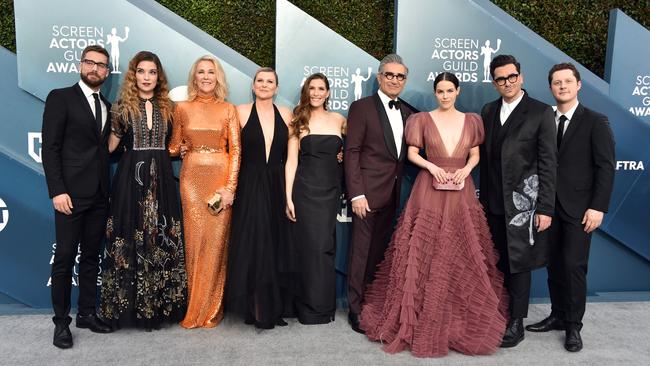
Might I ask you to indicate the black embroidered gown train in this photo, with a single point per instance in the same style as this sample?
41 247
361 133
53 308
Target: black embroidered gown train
144 281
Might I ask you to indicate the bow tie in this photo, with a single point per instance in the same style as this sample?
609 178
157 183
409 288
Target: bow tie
394 104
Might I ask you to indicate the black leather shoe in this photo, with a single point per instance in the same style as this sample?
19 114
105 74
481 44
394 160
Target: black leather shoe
514 333
573 341
353 320
548 324
93 323
62 336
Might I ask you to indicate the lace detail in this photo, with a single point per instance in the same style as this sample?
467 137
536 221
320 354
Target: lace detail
150 139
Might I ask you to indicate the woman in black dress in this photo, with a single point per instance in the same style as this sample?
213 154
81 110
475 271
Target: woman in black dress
143 279
313 174
256 287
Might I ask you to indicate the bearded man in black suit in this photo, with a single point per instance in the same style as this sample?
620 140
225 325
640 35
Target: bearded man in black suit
75 161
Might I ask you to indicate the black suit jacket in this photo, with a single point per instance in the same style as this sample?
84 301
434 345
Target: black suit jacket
528 167
75 153
585 173
372 166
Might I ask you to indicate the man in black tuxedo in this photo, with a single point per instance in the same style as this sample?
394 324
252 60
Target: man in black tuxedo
585 176
75 161
374 163
517 188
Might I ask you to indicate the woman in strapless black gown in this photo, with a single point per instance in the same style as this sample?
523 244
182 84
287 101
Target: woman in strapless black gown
314 176
258 287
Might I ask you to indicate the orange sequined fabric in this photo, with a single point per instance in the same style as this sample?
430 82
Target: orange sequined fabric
210 128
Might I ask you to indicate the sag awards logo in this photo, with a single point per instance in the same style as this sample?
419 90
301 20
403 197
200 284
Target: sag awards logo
72 39
34 141
642 91
75 269
468 58
4 215
342 215
345 86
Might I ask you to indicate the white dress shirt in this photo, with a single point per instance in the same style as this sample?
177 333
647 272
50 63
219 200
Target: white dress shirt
568 115
395 119
91 101
507 108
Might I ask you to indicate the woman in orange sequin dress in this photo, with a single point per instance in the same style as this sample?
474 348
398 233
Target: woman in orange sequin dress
208 127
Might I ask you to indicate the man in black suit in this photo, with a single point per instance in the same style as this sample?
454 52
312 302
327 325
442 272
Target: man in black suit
75 161
374 162
517 188
585 176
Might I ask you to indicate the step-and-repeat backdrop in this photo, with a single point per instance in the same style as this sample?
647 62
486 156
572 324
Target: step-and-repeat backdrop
460 36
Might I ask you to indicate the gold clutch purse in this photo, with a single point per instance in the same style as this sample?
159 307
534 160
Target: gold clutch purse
214 204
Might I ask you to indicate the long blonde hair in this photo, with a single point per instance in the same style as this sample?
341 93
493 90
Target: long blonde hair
220 90
128 107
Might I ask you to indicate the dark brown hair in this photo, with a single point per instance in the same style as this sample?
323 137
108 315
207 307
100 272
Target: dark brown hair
447 76
563 66
503 60
302 112
95 48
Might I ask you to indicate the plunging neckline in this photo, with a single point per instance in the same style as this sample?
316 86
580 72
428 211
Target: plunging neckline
266 157
460 137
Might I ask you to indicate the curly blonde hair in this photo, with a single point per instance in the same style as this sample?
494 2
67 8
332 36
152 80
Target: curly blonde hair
128 107
220 90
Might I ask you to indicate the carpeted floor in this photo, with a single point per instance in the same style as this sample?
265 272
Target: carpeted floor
615 333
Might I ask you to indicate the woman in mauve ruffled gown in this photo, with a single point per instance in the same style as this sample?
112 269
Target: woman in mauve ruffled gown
438 287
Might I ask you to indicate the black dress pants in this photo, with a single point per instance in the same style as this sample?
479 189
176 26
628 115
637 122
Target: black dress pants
518 284
567 268
84 228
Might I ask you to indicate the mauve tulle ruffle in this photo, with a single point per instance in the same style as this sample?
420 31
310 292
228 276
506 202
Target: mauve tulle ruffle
438 287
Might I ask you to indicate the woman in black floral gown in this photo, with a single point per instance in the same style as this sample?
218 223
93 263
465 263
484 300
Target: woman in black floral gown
143 279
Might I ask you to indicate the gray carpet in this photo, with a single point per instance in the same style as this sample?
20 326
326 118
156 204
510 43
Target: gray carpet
615 333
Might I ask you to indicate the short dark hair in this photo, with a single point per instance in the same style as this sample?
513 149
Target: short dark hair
503 60
447 76
563 66
95 48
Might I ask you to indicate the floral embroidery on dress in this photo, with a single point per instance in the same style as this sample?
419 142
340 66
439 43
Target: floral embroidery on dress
526 203
160 279
144 272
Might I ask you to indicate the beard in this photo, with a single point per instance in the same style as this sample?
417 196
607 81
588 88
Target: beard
92 83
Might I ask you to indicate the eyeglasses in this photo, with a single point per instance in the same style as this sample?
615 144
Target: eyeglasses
91 64
390 76
502 80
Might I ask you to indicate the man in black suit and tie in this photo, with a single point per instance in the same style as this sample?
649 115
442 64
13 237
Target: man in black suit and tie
585 176
517 188
75 161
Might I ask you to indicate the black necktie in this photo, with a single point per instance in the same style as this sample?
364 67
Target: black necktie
98 112
560 130
394 104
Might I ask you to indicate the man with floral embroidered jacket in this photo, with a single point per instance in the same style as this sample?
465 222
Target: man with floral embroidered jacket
517 188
